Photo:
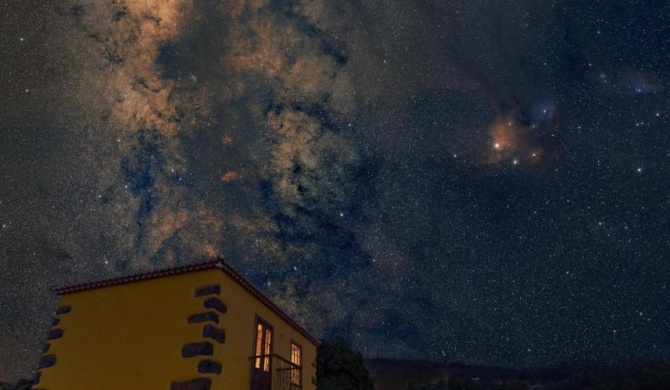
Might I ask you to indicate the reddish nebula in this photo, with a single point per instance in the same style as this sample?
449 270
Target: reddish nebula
230 176
515 143
210 250
505 135
227 140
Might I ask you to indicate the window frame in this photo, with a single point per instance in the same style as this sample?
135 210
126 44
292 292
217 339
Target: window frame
299 364
264 362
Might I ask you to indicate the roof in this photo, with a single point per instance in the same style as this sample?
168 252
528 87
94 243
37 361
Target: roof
188 268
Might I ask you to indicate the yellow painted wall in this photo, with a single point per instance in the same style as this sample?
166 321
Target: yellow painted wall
130 336
239 324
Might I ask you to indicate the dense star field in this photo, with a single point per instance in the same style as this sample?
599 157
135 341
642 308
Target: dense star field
482 181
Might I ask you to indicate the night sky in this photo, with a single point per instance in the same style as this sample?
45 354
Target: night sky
471 180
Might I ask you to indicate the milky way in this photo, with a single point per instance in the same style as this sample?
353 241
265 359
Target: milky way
442 180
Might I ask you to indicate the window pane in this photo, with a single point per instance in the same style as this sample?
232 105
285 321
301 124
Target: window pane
295 354
259 345
296 371
268 341
268 349
295 376
258 350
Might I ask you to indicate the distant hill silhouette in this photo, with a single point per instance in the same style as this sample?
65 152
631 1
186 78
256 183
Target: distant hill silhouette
390 374
393 374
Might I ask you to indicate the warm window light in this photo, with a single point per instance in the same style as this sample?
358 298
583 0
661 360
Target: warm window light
263 347
296 360
268 351
259 345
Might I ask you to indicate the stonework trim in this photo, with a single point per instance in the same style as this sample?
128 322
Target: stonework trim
209 366
47 361
63 310
203 317
212 289
215 304
212 332
197 349
193 384
55 334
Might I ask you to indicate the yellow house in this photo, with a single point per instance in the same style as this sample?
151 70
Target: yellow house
195 327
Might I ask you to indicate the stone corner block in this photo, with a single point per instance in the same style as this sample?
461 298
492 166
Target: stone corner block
215 304
214 333
209 366
55 334
47 361
197 349
212 289
193 384
203 317
63 310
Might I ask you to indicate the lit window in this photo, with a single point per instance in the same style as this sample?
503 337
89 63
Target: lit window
263 346
296 361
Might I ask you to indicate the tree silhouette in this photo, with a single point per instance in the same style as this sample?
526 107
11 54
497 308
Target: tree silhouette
469 384
454 383
338 367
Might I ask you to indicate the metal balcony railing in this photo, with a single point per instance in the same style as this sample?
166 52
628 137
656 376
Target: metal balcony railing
273 372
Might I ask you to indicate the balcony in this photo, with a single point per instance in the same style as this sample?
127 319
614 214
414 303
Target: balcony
273 372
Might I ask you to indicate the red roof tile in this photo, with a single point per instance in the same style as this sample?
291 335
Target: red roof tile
188 268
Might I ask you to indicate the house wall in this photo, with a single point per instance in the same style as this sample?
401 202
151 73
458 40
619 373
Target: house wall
240 322
140 336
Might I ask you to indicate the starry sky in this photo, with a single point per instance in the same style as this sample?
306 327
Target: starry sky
471 180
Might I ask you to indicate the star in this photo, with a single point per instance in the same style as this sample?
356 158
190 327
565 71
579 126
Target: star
172 137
